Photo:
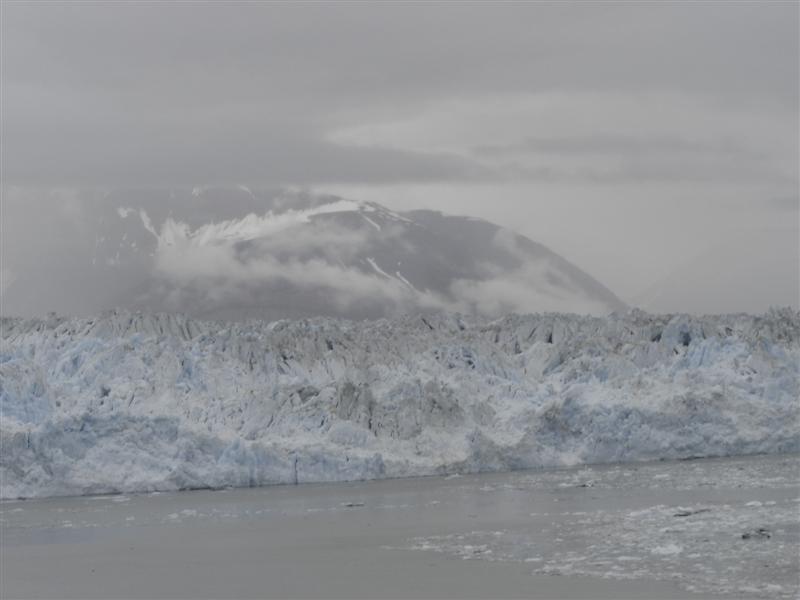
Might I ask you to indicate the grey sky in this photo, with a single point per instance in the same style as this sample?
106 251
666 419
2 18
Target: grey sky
629 137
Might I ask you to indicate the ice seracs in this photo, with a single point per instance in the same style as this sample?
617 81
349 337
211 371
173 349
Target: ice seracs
128 402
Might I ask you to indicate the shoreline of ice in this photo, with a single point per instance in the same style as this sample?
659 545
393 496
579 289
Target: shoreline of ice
127 402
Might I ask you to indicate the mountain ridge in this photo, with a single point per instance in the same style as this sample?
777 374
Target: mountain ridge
292 255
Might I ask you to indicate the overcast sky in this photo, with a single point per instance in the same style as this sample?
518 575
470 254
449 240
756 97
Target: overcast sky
631 138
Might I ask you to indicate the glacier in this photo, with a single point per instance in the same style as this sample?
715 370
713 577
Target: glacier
133 402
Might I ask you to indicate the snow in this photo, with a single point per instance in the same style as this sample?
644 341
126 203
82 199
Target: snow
383 211
129 402
250 227
377 269
404 280
246 190
371 222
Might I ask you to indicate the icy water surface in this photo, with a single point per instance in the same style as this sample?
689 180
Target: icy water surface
704 528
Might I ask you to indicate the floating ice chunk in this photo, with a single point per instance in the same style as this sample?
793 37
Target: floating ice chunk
666 549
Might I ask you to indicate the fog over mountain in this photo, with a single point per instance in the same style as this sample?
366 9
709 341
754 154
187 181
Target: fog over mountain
715 277
654 144
232 253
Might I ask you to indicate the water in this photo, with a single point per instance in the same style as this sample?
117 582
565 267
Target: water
705 528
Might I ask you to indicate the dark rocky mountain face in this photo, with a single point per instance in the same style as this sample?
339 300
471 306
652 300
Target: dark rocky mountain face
231 253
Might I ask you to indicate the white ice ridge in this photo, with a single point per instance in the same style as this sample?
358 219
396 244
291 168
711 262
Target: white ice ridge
127 402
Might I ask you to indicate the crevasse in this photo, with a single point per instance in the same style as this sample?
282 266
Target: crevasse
129 402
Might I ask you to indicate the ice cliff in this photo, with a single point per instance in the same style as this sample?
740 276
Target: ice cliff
134 402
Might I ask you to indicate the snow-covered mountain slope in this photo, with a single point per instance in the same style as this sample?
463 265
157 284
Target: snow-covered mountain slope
234 254
132 402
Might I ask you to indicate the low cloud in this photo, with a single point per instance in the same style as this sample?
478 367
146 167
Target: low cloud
227 261
288 248
7 277
521 290
787 203
533 284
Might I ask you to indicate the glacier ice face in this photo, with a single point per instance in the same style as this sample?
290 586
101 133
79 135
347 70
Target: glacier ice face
131 402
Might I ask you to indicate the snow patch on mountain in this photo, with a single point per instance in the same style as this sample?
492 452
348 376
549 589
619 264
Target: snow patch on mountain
131 402
371 222
378 270
404 280
250 227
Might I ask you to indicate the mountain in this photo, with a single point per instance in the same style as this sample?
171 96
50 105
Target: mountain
232 253
138 402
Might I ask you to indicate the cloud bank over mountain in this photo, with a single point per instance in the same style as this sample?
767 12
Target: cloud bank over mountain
278 255
624 136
